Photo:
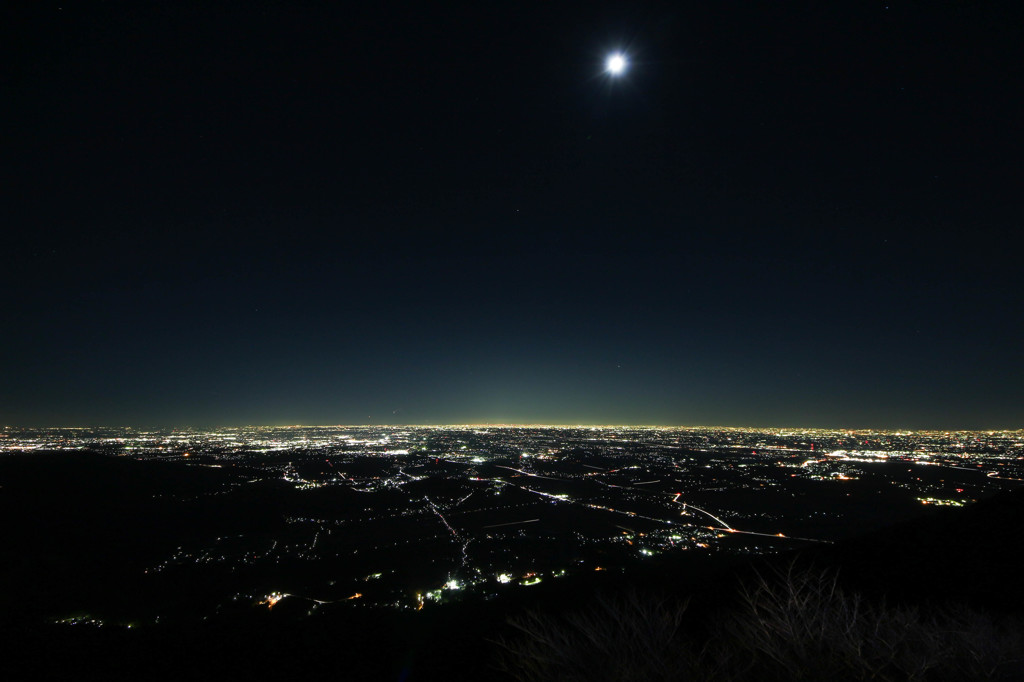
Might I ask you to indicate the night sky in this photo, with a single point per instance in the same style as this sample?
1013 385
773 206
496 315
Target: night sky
781 213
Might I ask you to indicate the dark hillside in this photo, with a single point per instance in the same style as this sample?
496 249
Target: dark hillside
971 555
66 542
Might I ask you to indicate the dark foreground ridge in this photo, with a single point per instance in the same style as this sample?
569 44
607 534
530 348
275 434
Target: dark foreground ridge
957 563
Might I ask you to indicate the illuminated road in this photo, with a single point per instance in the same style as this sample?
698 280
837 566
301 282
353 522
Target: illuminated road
527 473
685 505
512 523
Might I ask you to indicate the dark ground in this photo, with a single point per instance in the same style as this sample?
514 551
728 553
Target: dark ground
100 534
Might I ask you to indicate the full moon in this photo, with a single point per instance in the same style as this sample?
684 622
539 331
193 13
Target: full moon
616 64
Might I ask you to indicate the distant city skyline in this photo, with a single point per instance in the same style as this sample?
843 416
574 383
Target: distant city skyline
515 425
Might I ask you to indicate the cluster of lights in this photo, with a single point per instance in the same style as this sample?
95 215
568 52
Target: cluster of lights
632 466
272 599
940 502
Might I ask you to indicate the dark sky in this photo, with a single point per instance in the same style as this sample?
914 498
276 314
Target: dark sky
783 213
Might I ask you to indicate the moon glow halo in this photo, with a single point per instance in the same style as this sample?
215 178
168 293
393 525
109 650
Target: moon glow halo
616 64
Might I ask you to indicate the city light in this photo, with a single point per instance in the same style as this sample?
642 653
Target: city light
487 505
